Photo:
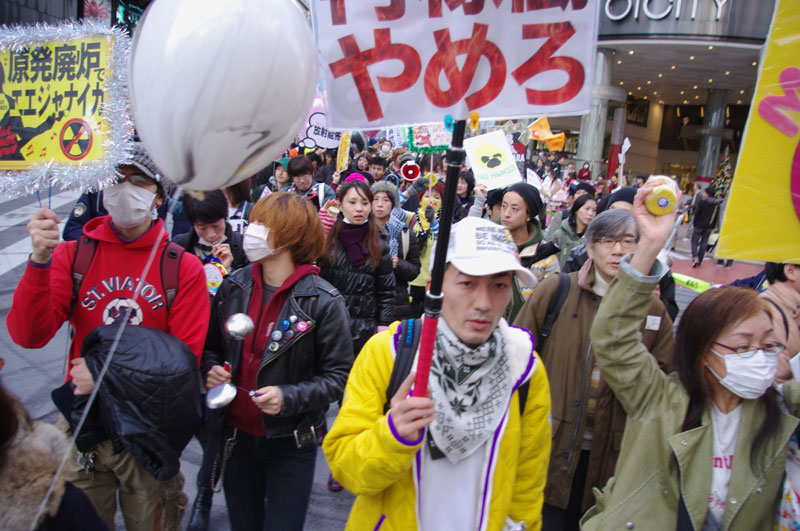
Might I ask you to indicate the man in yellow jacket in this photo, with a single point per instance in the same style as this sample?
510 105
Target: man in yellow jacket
474 454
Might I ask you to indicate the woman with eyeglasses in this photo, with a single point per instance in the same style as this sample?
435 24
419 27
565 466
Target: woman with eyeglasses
704 448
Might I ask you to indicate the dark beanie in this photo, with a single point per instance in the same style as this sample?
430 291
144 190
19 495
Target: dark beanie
495 197
623 194
529 194
586 187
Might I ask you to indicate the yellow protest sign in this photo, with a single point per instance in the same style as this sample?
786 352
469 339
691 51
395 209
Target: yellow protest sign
344 151
50 101
762 221
63 105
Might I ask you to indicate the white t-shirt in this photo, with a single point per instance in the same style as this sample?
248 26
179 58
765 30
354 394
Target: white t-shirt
725 430
453 490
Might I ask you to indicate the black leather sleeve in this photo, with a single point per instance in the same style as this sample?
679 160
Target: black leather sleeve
333 357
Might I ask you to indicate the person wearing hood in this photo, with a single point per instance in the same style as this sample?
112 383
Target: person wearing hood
521 206
112 288
570 233
30 453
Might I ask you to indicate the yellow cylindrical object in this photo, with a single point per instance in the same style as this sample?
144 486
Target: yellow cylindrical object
664 197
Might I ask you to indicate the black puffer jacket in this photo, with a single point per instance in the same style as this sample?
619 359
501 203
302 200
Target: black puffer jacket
407 270
310 368
368 292
151 399
234 239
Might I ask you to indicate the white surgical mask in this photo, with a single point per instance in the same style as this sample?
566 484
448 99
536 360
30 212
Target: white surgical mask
385 148
748 375
129 205
255 243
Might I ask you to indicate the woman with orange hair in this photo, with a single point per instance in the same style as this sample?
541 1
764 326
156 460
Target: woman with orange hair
294 363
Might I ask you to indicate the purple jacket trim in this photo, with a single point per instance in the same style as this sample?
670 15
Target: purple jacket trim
400 439
497 432
37 265
380 523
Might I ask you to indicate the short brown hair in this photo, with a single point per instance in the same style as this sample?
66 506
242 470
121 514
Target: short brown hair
299 165
294 222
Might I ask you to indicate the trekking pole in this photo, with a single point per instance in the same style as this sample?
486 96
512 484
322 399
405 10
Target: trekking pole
433 297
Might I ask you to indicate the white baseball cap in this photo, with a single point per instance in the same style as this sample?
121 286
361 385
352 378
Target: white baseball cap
479 247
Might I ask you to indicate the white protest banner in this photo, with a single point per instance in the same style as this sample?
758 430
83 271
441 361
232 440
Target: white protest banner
533 178
415 62
491 160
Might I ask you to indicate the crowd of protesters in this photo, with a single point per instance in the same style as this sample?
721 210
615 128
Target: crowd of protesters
561 396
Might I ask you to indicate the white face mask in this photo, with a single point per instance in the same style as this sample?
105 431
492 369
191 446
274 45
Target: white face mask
129 205
385 148
749 375
255 243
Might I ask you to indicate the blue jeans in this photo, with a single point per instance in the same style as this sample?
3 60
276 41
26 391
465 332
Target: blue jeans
271 469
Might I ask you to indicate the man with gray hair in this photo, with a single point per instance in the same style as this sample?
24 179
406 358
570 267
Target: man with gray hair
587 420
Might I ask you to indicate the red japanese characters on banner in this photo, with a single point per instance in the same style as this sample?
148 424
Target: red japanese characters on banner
414 62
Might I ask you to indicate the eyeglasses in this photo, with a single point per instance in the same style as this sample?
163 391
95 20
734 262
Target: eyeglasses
135 179
628 242
772 349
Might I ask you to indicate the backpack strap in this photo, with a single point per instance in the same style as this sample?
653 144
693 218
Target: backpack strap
553 309
170 265
84 254
785 320
407 344
522 394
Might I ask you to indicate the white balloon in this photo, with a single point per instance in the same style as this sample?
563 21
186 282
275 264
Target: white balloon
220 88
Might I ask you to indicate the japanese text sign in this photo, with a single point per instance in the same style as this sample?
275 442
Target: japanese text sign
415 62
767 176
491 160
429 138
63 105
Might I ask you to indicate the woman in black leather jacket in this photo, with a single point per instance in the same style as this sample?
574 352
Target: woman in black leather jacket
358 263
296 361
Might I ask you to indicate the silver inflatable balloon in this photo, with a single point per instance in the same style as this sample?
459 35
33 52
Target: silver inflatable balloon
239 325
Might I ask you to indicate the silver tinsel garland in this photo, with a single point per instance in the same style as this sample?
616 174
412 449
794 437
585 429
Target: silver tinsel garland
115 112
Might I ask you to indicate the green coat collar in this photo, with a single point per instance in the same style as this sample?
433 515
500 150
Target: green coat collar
693 450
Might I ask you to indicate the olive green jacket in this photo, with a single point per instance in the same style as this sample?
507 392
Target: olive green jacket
658 462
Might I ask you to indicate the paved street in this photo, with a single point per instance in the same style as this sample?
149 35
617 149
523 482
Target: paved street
32 374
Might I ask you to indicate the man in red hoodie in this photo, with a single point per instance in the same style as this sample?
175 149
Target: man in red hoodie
43 300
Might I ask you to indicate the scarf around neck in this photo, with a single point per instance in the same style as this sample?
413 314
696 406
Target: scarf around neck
470 389
395 227
353 238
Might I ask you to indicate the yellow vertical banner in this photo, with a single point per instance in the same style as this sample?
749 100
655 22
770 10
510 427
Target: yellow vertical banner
63 105
762 221
344 152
